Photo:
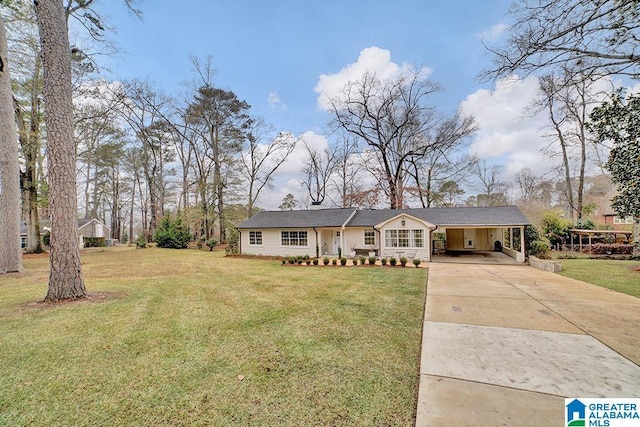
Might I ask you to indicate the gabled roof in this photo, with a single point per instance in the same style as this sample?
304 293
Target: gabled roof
444 217
299 219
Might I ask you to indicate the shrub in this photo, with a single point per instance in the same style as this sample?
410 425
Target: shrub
383 261
141 242
343 261
325 261
539 248
416 262
292 260
172 234
46 238
284 261
94 242
334 262
612 249
393 261
403 261
315 261
362 260
211 243
555 227
232 241
372 260
339 252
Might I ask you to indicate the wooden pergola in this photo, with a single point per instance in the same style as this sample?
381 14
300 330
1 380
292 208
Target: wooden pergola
590 233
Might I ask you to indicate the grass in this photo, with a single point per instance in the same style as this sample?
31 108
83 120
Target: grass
193 338
620 276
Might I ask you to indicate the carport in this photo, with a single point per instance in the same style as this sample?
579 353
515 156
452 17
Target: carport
474 233
474 257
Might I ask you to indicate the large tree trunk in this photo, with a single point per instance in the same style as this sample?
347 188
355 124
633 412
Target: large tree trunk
65 276
10 251
29 137
29 178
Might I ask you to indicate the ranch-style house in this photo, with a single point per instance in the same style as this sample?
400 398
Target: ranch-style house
411 233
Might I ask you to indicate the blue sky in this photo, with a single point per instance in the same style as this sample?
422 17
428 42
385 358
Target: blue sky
281 56
281 47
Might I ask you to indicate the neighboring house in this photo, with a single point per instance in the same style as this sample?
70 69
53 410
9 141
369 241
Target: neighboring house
87 228
385 232
617 223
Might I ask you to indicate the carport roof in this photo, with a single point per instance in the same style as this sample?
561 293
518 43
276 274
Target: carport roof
490 216
477 216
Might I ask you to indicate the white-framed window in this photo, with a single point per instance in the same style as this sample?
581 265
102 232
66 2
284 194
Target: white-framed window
369 237
404 238
618 220
293 238
255 237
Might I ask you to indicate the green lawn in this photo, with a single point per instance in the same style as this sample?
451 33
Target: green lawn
191 337
621 276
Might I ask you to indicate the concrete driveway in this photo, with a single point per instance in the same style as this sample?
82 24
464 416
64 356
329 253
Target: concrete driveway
505 344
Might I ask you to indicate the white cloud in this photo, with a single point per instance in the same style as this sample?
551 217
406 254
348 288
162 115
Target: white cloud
276 103
507 130
494 32
372 60
274 198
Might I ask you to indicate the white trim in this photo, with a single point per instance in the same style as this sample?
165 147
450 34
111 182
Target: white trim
427 224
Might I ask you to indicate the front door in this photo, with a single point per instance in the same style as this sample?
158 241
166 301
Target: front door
336 241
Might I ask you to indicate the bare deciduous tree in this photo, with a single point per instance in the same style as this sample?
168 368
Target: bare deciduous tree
594 36
347 177
490 185
318 167
445 160
262 157
568 97
392 117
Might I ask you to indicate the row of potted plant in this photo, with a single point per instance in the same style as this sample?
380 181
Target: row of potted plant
307 260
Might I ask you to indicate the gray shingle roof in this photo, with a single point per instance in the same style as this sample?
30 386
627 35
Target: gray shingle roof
460 216
491 215
299 219
463 216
